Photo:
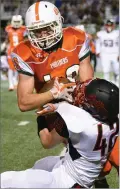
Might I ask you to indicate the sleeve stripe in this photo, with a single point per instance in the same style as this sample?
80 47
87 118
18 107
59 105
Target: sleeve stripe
85 56
25 73
21 64
85 48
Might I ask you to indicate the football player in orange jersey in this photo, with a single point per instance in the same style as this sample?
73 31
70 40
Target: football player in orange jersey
15 34
50 52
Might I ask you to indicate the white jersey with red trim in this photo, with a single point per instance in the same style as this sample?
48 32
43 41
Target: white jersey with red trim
107 42
90 142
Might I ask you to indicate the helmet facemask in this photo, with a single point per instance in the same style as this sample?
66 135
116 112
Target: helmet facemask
45 36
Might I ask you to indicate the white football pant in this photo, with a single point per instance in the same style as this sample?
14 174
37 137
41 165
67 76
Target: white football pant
37 178
12 78
109 63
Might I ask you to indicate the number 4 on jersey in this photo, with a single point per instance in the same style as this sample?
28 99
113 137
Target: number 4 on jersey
103 143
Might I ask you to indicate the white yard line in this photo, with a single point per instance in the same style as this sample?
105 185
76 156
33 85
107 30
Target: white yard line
22 123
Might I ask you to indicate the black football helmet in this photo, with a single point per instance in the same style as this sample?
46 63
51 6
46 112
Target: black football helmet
100 98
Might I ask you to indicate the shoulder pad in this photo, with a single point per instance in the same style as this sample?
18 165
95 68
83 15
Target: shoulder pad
75 118
23 50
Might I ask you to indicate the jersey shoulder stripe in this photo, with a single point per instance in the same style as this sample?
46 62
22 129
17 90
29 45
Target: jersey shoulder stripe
21 65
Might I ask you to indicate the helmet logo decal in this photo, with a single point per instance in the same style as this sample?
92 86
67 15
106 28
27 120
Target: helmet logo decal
37 11
56 11
96 103
39 21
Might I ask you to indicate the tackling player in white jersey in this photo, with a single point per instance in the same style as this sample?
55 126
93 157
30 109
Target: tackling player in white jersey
107 48
90 127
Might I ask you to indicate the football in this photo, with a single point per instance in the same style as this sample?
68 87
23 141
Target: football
48 85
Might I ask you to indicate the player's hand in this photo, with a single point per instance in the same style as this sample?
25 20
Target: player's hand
62 91
47 108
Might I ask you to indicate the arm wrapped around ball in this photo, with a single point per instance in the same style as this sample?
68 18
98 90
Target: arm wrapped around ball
62 91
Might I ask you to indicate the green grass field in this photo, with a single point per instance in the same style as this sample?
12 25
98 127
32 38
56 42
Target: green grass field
20 145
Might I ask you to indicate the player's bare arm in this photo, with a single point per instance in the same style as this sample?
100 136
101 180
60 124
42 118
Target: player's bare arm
86 71
50 139
27 99
59 133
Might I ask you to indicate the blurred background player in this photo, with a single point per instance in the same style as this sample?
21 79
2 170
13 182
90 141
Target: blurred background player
107 49
3 61
15 34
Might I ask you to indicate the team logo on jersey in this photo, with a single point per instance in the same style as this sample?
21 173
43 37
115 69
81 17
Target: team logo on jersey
16 63
59 62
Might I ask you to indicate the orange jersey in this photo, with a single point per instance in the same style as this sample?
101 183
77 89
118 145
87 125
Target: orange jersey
113 159
15 36
114 156
62 63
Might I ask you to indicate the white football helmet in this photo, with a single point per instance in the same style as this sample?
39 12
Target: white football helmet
44 24
16 21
